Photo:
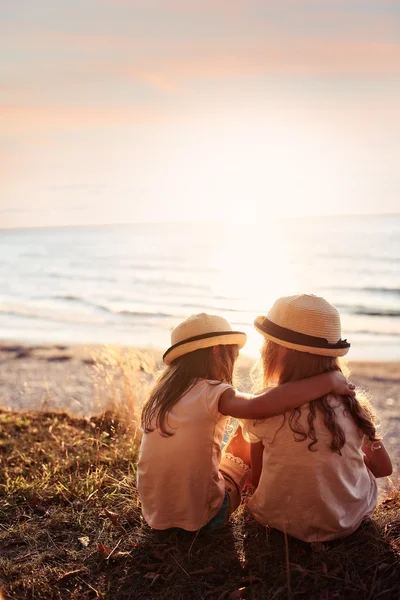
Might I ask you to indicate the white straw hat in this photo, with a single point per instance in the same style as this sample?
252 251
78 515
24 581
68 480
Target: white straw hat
201 331
306 323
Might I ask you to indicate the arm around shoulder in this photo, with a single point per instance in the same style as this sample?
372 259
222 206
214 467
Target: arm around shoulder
278 400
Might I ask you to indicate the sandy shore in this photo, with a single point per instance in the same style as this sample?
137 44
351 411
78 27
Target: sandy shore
66 378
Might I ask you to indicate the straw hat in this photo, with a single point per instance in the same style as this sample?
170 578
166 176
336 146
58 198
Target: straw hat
306 323
201 331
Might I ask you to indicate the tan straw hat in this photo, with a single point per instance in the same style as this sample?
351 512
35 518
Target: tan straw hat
201 331
306 323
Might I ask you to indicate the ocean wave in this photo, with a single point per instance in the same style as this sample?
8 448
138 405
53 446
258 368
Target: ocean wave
46 315
369 289
69 298
84 301
133 281
382 290
33 255
350 332
139 313
369 312
152 318
70 277
360 257
208 308
49 314
124 312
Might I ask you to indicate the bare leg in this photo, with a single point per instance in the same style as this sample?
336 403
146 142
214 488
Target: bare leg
238 446
234 467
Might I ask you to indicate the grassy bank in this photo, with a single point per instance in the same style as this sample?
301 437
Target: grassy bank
70 527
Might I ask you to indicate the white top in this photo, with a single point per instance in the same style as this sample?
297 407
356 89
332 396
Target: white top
178 478
314 496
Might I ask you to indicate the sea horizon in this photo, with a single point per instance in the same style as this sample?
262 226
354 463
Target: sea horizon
131 283
201 221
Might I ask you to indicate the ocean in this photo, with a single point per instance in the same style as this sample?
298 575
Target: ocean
131 284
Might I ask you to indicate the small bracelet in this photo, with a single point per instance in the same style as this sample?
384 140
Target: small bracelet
376 446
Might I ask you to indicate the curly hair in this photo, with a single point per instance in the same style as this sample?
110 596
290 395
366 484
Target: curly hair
284 365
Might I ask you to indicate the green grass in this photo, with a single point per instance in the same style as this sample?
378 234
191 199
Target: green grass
71 527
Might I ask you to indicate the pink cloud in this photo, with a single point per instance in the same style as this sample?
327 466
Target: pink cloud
39 102
80 65
161 62
354 11
310 56
26 118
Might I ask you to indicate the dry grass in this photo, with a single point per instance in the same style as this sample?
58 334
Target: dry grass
121 381
71 527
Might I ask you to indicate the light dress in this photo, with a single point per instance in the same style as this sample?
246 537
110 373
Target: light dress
179 481
312 495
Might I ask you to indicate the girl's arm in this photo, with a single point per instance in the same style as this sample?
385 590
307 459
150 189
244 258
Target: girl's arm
377 459
256 454
280 399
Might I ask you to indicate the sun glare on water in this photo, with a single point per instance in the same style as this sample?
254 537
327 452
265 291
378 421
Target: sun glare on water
253 269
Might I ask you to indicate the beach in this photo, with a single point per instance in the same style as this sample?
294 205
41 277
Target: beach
84 381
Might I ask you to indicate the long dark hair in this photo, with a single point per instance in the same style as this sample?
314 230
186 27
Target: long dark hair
181 376
292 365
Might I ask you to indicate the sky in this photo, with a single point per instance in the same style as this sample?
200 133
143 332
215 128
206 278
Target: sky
176 110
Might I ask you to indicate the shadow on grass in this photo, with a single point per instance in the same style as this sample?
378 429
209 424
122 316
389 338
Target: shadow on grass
177 565
363 565
71 528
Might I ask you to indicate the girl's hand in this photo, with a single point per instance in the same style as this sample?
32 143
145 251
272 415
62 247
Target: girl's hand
340 385
377 459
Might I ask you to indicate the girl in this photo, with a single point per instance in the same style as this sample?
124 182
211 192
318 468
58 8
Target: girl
180 481
314 467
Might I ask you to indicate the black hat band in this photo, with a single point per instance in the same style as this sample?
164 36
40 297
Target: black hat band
202 336
294 337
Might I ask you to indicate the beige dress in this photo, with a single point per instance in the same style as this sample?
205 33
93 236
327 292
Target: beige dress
179 481
314 496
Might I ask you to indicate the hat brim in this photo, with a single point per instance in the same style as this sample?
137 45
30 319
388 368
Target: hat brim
336 352
227 339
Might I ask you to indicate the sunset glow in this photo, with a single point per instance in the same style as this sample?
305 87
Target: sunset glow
125 111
